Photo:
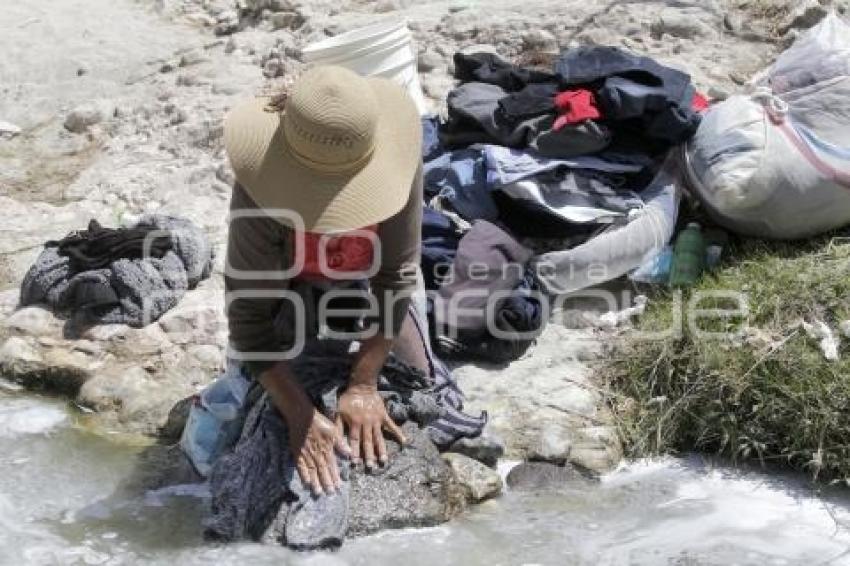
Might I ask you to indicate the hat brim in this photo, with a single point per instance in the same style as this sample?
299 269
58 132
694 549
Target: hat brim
327 202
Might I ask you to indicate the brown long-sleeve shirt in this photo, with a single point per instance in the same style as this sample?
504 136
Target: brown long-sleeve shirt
261 243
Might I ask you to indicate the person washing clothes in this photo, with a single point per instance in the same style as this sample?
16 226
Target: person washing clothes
316 174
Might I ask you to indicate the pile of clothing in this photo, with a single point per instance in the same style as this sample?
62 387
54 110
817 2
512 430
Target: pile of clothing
129 275
529 162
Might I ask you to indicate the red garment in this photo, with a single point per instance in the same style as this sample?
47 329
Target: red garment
575 106
700 103
347 253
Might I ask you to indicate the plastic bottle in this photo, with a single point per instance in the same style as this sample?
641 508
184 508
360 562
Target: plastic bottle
688 257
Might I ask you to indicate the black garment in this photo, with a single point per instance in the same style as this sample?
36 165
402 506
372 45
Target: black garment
529 219
492 69
640 98
98 247
532 101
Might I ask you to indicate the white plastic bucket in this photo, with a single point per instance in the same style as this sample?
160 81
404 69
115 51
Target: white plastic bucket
384 50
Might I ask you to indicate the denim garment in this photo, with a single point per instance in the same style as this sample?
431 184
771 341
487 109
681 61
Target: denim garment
460 177
440 241
430 138
506 166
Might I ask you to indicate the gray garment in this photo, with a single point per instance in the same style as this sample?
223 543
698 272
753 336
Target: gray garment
258 495
130 291
257 482
488 261
477 104
256 491
575 197
506 165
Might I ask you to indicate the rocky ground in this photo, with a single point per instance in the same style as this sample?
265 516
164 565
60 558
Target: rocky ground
112 108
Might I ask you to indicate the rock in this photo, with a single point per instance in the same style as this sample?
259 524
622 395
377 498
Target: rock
429 60
32 321
286 20
553 446
807 14
81 118
16 350
225 174
478 481
274 68
55 371
416 489
485 448
686 23
596 449
539 476
539 40
208 355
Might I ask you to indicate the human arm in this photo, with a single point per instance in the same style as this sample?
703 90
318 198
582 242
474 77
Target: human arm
361 408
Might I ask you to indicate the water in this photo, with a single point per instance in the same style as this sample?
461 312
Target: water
61 502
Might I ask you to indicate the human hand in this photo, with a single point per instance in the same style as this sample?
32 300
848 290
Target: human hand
313 441
362 410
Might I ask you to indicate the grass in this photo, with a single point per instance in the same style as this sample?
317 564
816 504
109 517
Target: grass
763 391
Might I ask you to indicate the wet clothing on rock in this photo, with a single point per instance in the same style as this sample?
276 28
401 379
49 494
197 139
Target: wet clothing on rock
135 290
256 491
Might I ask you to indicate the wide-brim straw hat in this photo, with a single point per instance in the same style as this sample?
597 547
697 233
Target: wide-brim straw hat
342 154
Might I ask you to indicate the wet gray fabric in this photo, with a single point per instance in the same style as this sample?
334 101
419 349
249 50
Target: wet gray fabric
257 485
130 291
256 491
